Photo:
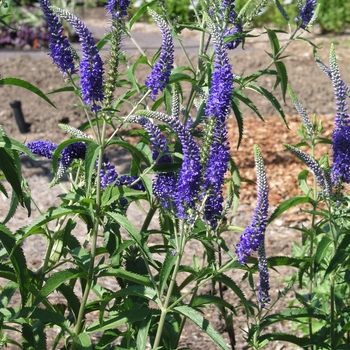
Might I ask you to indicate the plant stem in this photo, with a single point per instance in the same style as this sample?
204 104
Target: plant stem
164 309
79 322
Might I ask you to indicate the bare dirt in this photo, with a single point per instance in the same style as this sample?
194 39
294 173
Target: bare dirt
312 88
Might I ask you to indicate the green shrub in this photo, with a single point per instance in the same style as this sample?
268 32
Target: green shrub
177 10
334 16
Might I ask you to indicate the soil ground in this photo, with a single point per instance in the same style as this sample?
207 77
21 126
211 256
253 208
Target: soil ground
312 87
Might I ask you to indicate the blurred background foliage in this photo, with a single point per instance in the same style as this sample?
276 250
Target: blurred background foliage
334 15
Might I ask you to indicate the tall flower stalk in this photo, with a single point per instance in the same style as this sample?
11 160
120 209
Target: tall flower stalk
160 74
307 13
341 132
188 180
60 49
91 65
218 107
253 237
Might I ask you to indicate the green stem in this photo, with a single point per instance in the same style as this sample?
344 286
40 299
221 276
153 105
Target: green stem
164 308
79 322
332 335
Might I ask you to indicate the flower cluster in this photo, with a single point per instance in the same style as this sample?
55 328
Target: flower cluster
307 12
61 52
161 71
229 16
118 8
68 155
218 106
42 148
341 132
183 189
164 184
108 175
264 285
321 176
302 112
253 235
91 65
220 95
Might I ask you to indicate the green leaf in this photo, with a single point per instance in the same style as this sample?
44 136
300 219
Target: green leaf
12 173
7 292
274 43
63 89
85 341
179 77
271 98
13 206
227 281
128 275
282 73
238 94
129 316
294 315
341 255
274 261
302 182
18 261
69 295
91 156
50 215
201 300
287 204
54 281
12 144
322 248
239 118
143 9
203 324
130 228
143 331
302 342
24 84
166 269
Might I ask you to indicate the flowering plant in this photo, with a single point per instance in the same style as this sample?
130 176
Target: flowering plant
181 172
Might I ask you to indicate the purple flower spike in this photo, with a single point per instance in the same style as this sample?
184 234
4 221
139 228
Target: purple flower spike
73 151
108 175
42 148
218 106
220 94
60 49
161 71
236 30
164 184
322 177
307 12
264 285
254 234
118 8
91 65
341 132
186 190
228 9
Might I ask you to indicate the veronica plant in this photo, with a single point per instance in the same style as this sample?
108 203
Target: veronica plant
319 311
180 170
